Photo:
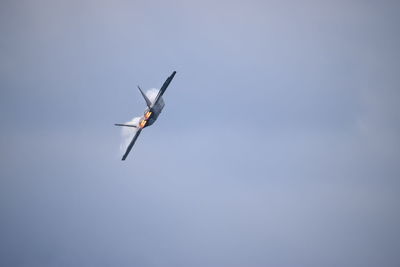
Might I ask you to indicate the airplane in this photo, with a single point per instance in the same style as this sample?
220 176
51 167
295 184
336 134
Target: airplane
151 113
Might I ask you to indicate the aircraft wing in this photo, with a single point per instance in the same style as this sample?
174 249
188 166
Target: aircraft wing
164 87
131 144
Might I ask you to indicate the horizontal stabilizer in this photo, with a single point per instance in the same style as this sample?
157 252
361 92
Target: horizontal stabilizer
126 125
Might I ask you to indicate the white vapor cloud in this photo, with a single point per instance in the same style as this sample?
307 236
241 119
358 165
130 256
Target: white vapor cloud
152 93
127 133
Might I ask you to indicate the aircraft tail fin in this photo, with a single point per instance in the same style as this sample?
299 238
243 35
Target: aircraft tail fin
148 102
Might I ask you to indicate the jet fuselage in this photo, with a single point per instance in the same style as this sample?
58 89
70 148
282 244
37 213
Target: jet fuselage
153 110
151 114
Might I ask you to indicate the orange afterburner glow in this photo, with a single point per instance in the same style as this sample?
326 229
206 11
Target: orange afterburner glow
142 123
147 115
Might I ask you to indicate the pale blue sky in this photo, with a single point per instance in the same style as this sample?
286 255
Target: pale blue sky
278 145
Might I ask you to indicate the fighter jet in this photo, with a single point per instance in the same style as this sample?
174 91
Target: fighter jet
151 113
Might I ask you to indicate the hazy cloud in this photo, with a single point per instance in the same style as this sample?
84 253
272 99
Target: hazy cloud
278 144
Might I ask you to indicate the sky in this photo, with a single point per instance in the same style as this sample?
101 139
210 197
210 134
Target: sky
278 144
